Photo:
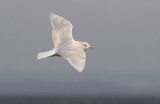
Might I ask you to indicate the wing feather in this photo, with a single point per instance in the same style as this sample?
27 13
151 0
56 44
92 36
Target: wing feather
62 30
78 61
76 56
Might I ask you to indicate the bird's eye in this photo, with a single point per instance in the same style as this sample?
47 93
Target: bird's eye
85 45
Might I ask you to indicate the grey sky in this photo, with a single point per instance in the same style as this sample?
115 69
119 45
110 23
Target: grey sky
125 34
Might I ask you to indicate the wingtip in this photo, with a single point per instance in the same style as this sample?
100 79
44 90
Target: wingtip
79 69
52 15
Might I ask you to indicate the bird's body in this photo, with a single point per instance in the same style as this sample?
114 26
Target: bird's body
64 44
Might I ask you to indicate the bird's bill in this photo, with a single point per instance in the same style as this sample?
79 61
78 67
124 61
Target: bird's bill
91 47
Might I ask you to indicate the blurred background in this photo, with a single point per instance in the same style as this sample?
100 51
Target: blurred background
124 62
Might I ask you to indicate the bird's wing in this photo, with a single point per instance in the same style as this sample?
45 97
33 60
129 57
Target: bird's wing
76 56
62 30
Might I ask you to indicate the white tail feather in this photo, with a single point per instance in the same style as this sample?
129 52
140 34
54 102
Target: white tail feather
42 55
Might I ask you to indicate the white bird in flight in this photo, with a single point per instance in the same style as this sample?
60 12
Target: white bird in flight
64 44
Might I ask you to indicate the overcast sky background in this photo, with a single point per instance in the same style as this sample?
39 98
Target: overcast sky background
125 34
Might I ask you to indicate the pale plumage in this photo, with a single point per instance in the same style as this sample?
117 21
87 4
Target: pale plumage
65 45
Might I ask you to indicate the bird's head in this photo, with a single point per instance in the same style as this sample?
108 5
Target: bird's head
85 45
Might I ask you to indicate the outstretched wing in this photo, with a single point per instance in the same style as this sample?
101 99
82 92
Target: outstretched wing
62 30
76 56
78 61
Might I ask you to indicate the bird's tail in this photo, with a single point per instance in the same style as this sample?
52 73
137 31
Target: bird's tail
42 55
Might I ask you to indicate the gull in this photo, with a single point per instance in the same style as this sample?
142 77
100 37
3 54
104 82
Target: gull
64 44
